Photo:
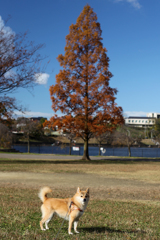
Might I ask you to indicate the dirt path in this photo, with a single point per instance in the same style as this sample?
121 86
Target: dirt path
101 187
23 156
70 180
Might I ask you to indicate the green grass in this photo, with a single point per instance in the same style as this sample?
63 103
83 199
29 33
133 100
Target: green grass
20 216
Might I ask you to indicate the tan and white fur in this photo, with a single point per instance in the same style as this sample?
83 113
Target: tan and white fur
70 209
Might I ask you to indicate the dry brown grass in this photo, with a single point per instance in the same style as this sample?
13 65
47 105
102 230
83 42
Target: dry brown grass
147 171
117 212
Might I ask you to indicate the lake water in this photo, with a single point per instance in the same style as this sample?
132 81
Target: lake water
93 151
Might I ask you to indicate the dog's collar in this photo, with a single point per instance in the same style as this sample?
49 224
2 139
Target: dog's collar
75 207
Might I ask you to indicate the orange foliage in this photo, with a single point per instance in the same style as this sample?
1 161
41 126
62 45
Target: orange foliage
82 92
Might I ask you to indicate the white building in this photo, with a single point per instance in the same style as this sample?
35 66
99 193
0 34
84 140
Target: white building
154 115
148 121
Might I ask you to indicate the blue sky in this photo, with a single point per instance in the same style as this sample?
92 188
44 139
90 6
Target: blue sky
130 32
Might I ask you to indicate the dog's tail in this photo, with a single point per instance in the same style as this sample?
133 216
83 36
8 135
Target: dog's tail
43 193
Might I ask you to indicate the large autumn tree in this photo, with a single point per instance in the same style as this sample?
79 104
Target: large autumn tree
19 68
82 92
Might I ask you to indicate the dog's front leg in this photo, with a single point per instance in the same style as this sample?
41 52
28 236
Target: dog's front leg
71 219
75 226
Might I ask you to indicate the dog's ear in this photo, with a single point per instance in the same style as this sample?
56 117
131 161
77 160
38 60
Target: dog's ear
87 190
78 190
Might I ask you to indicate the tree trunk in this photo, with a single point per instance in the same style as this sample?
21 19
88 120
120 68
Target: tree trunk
99 149
70 147
129 150
85 152
28 144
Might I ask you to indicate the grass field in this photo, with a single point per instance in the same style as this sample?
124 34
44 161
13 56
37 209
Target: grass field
105 218
145 171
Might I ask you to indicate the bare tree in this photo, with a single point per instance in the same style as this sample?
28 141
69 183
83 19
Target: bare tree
30 130
156 132
5 136
127 136
71 137
104 138
20 65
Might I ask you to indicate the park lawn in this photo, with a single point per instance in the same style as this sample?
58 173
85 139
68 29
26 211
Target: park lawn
20 216
104 218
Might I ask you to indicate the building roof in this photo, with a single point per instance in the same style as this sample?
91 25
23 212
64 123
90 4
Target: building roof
141 117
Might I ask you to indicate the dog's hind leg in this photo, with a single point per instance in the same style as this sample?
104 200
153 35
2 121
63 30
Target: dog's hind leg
46 217
48 220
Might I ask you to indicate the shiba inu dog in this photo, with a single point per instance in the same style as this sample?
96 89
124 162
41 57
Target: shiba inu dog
70 209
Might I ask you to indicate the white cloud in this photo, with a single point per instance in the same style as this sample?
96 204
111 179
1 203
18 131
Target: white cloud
135 114
4 29
10 74
28 114
6 39
41 78
32 114
134 3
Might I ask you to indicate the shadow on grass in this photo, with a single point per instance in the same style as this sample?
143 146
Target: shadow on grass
92 162
104 229
111 230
